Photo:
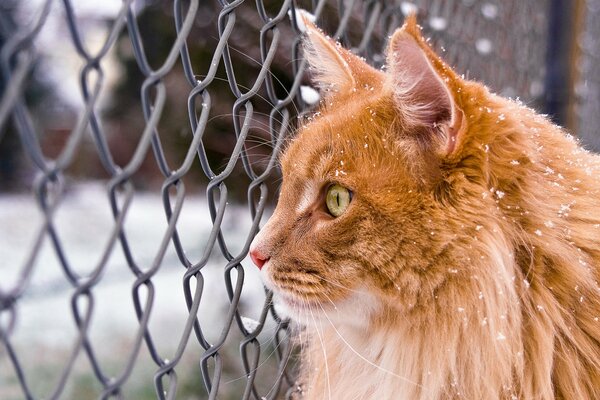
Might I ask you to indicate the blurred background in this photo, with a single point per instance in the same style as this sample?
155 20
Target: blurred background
138 143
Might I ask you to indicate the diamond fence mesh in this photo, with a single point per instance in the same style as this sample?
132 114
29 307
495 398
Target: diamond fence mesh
137 285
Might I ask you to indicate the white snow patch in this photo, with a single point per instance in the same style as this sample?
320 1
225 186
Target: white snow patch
84 222
536 88
484 46
489 10
309 95
408 8
438 23
250 324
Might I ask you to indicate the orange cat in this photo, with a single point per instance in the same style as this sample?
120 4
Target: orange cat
436 240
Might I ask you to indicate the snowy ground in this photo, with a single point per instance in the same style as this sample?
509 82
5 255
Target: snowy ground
45 325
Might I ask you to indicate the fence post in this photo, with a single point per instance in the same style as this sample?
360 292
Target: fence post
564 25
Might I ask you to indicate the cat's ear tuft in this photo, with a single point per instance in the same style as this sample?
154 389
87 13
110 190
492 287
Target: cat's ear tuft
421 86
327 59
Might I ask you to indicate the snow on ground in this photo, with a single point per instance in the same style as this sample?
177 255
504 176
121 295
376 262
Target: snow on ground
83 222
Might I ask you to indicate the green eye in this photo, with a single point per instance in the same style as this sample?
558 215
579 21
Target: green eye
337 200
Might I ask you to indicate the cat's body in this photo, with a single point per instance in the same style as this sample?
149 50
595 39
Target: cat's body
467 262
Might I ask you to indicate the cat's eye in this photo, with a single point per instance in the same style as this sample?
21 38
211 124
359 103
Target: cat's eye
337 200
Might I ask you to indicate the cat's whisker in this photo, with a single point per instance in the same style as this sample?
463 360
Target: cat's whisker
387 371
331 301
265 124
260 127
253 160
270 73
290 336
287 360
320 336
337 284
258 145
306 354
259 140
266 359
280 113
256 95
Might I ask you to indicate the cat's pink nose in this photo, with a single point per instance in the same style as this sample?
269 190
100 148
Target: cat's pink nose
258 258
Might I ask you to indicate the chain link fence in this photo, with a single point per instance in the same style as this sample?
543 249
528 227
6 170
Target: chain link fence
178 111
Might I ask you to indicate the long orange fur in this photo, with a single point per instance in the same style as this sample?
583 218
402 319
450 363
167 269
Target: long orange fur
467 263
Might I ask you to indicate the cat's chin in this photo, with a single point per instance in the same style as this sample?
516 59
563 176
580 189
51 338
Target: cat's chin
357 309
297 309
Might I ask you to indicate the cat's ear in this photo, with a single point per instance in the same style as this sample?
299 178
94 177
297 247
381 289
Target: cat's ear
422 87
327 60
334 69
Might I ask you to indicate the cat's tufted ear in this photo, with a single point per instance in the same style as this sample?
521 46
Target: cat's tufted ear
423 87
335 69
325 57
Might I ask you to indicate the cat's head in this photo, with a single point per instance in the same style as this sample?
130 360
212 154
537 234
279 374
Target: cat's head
359 216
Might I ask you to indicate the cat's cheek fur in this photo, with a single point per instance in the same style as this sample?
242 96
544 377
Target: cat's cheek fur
355 311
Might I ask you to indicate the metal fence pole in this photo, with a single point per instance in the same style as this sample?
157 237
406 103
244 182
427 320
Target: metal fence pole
562 59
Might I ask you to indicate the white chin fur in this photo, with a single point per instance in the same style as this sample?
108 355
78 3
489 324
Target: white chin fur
354 311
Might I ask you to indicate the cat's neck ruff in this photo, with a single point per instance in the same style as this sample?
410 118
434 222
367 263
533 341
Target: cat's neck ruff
362 349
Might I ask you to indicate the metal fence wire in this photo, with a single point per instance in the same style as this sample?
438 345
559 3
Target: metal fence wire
502 43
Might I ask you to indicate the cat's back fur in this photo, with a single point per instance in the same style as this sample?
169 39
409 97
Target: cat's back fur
468 263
